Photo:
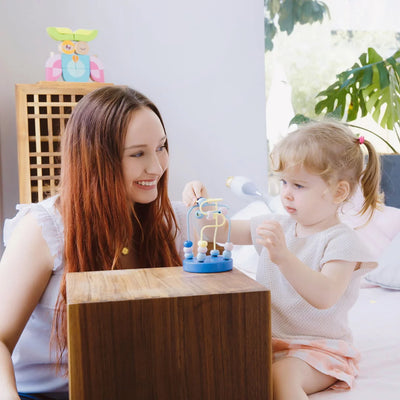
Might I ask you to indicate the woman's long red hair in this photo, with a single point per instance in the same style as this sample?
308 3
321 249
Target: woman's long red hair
99 220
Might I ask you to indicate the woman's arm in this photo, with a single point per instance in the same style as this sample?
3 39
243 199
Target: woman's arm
25 269
7 379
321 289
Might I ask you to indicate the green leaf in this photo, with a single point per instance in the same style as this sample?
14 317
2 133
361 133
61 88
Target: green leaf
373 56
363 59
372 95
372 87
319 9
286 17
310 11
383 75
367 77
299 119
353 107
304 12
336 114
362 104
384 103
395 65
269 33
335 97
291 12
272 6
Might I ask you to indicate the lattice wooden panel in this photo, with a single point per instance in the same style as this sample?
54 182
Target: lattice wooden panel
43 110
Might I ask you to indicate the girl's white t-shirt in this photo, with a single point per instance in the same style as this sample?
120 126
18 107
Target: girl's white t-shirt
292 316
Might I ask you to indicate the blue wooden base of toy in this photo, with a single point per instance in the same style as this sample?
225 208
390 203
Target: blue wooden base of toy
209 265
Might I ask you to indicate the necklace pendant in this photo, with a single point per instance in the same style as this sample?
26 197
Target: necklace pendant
125 251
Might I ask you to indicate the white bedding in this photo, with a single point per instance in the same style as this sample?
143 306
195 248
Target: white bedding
375 321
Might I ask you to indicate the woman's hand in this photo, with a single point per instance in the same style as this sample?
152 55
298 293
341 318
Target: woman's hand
192 191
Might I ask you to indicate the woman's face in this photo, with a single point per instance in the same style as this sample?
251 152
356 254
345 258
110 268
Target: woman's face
145 157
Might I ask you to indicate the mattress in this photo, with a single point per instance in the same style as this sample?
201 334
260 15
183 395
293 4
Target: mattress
375 321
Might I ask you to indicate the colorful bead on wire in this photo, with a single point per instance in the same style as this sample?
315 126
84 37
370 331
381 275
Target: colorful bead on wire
214 262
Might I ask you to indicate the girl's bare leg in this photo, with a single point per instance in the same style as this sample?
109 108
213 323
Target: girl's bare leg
294 379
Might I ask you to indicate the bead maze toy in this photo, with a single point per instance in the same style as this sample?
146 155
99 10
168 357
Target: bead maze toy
214 262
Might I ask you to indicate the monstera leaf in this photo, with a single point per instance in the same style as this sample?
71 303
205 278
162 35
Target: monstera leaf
383 102
369 87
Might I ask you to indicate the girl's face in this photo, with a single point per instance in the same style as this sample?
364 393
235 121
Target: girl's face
145 156
308 199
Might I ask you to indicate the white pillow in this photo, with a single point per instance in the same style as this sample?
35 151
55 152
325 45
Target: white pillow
387 274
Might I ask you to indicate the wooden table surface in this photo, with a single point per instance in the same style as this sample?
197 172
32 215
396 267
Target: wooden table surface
87 287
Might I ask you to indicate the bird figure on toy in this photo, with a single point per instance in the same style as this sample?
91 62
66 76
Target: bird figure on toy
73 64
214 262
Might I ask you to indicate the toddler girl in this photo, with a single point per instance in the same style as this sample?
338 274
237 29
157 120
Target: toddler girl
310 261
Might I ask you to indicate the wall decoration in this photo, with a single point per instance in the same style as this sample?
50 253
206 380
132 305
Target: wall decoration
73 64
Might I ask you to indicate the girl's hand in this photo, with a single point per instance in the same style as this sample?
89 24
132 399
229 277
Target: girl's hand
192 191
271 236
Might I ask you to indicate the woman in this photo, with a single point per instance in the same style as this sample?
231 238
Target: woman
112 212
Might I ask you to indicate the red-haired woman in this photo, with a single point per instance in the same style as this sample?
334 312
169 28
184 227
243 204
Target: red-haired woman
112 212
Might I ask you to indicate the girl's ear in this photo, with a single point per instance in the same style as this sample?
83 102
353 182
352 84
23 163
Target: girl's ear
342 192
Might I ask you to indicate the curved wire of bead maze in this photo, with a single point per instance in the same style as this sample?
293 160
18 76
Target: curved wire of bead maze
214 262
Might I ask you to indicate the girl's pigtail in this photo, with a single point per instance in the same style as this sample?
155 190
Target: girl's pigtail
370 180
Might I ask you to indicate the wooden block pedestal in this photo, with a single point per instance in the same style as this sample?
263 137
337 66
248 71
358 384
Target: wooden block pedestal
164 333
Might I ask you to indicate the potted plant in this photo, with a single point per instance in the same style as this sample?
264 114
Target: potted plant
370 87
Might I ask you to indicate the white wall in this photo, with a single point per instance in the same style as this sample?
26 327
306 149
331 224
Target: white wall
202 63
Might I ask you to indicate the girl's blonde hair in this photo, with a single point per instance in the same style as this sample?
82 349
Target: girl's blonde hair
330 149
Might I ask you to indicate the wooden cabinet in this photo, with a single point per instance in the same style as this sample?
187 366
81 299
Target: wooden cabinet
42 111
163 333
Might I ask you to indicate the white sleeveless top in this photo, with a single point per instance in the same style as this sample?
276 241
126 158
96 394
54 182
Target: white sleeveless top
34 362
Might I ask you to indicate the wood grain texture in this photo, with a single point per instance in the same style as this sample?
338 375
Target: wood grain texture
167 334
42 111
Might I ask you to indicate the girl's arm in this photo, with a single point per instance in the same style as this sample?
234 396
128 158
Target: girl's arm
240 229
25 269
321 289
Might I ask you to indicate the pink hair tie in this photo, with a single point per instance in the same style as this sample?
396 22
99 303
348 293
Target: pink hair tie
361 140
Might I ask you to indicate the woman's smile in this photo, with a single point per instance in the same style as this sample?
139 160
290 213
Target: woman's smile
147 184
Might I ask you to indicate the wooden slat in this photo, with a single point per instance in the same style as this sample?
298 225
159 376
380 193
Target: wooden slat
44 178
34 166
45 154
